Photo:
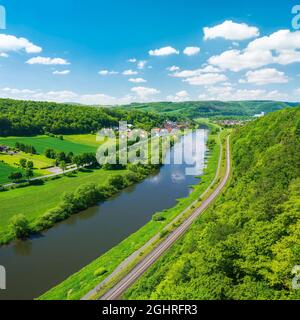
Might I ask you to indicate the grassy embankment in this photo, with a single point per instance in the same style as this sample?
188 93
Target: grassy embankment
79 284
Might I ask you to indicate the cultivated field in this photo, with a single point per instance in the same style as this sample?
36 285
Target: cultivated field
41 143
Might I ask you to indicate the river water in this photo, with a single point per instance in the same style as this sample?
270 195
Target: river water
36 265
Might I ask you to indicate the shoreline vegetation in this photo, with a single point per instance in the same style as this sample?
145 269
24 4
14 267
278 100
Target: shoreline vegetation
78 285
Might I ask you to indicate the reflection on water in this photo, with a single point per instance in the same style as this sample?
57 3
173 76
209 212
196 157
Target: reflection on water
36 265
23 248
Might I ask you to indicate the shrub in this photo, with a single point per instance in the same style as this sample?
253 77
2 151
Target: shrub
158 217
99 272
20 226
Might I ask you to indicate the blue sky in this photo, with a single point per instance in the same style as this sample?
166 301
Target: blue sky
78 51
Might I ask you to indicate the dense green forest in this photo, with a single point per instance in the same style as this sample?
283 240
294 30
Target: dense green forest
212 109
23 118
247 244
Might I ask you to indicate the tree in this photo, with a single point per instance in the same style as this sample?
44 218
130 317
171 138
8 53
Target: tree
63 166
29 173
15 176
20 226
30 165
117 182
23 163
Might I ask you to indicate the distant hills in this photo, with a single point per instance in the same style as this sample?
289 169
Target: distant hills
216 109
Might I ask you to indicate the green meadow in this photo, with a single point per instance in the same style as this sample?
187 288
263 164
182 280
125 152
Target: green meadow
5 171
41 143
33 201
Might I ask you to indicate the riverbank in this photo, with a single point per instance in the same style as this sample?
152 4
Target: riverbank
79 284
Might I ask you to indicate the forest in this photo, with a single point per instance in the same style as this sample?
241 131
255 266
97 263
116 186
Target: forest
212 109
247 245
27 118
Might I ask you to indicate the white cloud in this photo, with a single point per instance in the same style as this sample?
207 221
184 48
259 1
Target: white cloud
230 30
61 73
107 72
145 92
17 91
173 68
4 55
206 79
281 47
141 64
47 61
265 76
130 73
132 60
230 94
12 43
179 96
195 72
236 60
191 51
137 80
166 51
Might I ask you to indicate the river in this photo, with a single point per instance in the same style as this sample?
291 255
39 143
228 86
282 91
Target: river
36 265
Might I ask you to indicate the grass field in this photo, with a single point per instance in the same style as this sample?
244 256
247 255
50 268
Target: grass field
39 161
86 139
41 143
5 171
34 201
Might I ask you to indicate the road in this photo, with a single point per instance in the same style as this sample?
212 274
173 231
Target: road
117 291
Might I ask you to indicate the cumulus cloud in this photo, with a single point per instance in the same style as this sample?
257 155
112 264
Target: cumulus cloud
265 76
206 79
130 73
137 80
57 96
173 68
195 72
61 73
132 60
179 96
191 51
47 61
107 72
228 93
165 51
230 30
281 47
141 64
145 92
11 43
4 55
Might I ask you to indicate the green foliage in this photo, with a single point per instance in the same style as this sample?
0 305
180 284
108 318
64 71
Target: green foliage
20 226
158 217
247 244
25 148
211 109
27 118
15 176
100 272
